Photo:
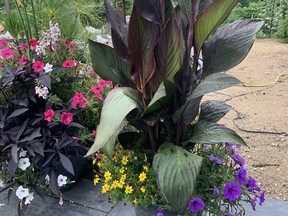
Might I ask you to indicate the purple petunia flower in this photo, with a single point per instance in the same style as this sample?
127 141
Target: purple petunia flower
238 146
252 185
253 202
262 197
227 214
238 159
241 175
215 160
196 205
232 191
230 147
159 214
205 148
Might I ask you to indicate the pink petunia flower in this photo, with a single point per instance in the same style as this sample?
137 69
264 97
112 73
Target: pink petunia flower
48 115
23 60
66 117
79 99
97 91
33 43
94 133
23 46
7 53
103 83
38 66
68 64
3 41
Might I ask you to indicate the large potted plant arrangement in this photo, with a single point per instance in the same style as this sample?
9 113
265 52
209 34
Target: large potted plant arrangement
153 126
49 102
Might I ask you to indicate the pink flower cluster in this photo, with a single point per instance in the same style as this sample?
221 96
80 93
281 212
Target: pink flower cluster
99 88
79 99
66 117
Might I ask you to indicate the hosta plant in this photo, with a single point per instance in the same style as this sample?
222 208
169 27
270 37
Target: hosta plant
164 61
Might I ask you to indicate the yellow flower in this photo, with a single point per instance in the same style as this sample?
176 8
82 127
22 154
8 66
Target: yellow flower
143 189
135 201
123 177
115 158
115 184
96 179
128 189
99 164
125 160
105 188
107 176
122 170
121 184
94 161
142 177
145 168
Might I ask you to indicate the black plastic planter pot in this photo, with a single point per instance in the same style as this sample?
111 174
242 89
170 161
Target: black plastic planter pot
78 163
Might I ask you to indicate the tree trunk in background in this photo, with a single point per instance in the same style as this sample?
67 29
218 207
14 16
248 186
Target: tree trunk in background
272 18
7 6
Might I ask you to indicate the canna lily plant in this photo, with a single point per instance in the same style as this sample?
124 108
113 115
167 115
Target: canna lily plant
163 62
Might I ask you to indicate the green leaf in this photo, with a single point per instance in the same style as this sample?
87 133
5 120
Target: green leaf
213 111
107 64
117 105
176 171
211 18
205 132
142 38
168 52
108 148
229 45
213 82
186 8
161 98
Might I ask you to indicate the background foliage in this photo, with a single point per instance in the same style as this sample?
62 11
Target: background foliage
272 12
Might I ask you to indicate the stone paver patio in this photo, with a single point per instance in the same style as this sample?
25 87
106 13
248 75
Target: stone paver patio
85 199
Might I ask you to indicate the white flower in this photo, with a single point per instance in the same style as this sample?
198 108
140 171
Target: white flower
41 91
2 185
23 163
22 192
47 178
61 180
29 198
48 67
22 153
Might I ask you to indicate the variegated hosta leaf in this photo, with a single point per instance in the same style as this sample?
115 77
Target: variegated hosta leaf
176 171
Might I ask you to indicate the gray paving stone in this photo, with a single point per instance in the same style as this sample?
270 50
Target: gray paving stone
85 193
270 207
85 199
122 208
